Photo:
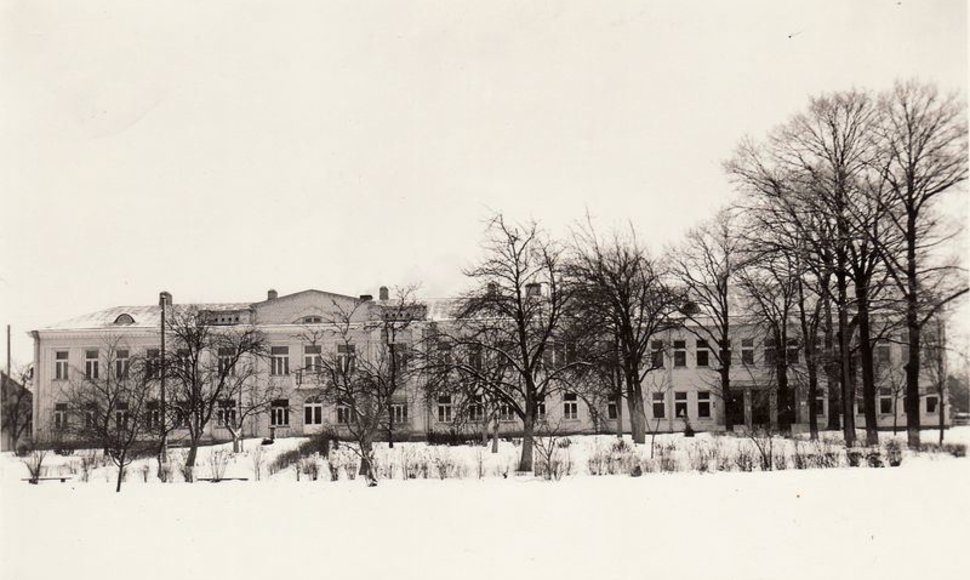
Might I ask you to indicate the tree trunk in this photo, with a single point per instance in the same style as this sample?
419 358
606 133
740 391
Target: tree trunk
868 377
619 416
785 409
634 398
367 461
528 433
727 396
848 418
833 384
911 404
121 472
494 435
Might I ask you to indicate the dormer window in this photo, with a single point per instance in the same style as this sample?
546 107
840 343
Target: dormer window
124 319
312 319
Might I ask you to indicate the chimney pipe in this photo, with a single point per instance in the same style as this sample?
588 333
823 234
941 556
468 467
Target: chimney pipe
366 297
164 298
384 294
271 294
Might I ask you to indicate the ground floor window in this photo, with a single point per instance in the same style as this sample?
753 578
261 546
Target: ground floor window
820 405
931 402
680 404
886 405
444 409
611 410
60 416
704 404
121 415
399 413
506 412
226 413
343 415
659 406
312 412
570 406
279 413
541 409
476 411
153 415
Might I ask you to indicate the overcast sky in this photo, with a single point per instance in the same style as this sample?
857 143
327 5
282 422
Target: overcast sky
222 149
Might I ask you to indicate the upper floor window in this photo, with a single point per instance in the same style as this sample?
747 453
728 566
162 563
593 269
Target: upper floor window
401 355
703 354
312 319
476 410
227 362
60 365
747 351
226 413
680 353
124 319
883 355
279 360
312 358
153 364
91 370
122 364
724 352
570 406
791 351
771 352
657 354
346 357
60 416
475 357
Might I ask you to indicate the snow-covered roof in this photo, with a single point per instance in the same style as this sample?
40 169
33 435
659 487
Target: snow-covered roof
142 316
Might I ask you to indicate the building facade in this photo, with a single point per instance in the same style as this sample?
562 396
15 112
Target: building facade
682 389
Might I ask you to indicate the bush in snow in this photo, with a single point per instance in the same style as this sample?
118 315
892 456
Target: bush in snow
35 464
257 457
284 460
956 449
894 453
553 459
218 462
874 458
309 467
854 456
744 457
666 458
145 468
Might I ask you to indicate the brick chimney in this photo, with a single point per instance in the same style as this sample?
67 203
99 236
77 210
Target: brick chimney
366 297
164 298
271 294
384 294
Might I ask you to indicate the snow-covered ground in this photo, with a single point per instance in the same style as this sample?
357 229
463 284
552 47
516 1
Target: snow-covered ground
909 521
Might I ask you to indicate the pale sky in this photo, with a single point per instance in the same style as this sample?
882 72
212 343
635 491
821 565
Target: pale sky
219 149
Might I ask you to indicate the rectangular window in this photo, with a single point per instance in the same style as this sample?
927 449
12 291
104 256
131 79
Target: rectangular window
153 415
121 415
279 360
611 410
747 351
91 364
444 409
820 405
886 405
226 413
680 404
475 357
703 404
506 412
659 406
343 415
931 402
279 413
401 356
122 364
724 353
570 406
883 355
791 353
153 364
703 354
476 411
312 358
346 358
226 362
90 413
771 352
860 408
60 365
60 416
541 408
680 353
313 412
399 413
657 354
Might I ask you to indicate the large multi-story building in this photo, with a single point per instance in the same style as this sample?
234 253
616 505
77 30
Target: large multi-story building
682 388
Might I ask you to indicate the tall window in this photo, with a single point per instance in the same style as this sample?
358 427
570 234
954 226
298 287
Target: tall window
506 412
771 352
791 354
476 411
401 356
883 355
153 364
747 351
541 408
227 366
657 354
279 360
570 406
885 402
313 412
346 357
60 416
820 405
611 410
931 402
659 406
279 413
444 409
121 415
680 404
343 415
703 404
60 365
312 358
122 364
724 352
91 364
703 354
226 413
399 413
90 413
153 415
475 356
680 353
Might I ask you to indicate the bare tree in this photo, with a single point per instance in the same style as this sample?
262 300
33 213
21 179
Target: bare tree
922 156
622 295
209 367
108 405
17 405
519 303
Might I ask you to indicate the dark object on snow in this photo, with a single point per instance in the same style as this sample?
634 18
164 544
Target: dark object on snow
854 456
688 431
637 471
268 441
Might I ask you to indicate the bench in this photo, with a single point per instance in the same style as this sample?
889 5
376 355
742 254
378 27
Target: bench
37 480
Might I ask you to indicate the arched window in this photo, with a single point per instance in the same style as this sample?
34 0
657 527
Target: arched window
124 319
312 320
313 411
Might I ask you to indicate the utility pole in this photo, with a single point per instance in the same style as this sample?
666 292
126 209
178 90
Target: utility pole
8 351
163 299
